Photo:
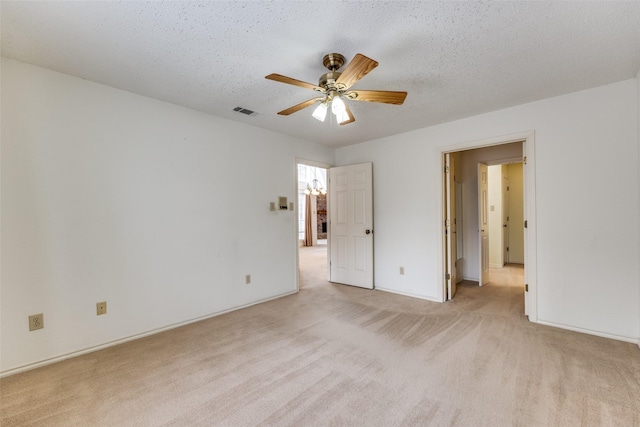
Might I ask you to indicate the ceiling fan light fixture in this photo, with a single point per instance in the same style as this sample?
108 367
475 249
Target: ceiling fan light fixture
320 113
342 116
337 106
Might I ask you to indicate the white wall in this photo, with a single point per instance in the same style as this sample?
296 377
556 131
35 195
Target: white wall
586 163
157 209
638 130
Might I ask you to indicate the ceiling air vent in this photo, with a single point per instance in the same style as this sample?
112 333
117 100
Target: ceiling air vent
245 111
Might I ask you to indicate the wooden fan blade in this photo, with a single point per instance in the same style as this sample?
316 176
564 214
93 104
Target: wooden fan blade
351 118
384 96
359 67
288 80
300 106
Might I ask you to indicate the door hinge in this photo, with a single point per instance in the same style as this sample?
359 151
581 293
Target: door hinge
526 288
448 276
526 224
446 169
524 160
446 222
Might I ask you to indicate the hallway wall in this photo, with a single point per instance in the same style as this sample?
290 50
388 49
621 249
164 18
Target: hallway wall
495 216
516 213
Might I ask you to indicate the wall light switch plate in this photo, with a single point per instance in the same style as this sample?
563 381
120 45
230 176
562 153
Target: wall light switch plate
272 206
290 206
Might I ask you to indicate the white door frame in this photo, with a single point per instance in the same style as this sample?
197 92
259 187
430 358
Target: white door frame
528 150
296 210
451 237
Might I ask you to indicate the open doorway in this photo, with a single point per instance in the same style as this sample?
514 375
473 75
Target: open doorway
312 224
347 249
506 215
505 227
465 232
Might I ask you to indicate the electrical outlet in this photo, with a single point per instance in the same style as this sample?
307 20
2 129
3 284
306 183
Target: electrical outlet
247 279
101 308
402 271
36 321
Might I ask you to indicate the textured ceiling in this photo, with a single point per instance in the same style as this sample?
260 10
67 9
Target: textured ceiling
455 59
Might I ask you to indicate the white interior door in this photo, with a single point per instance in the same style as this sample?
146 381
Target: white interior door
351 225
483 222
516 214
505 217
450 226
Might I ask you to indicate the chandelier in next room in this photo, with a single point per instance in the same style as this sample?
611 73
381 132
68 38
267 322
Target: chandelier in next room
316 190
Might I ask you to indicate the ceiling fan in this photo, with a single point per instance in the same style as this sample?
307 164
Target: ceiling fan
335 88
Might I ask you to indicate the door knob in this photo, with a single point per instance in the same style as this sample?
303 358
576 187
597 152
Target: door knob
368 231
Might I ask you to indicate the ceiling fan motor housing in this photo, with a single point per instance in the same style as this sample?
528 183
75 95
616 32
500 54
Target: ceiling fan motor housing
333 61
328 81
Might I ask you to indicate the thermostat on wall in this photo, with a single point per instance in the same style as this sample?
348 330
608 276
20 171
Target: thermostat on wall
282 203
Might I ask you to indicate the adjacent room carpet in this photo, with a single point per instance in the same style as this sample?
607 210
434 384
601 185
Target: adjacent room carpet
341 356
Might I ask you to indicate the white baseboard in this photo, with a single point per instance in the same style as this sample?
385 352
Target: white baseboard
633 340
408 294
62 357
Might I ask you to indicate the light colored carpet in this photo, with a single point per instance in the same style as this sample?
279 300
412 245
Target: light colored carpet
342 356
